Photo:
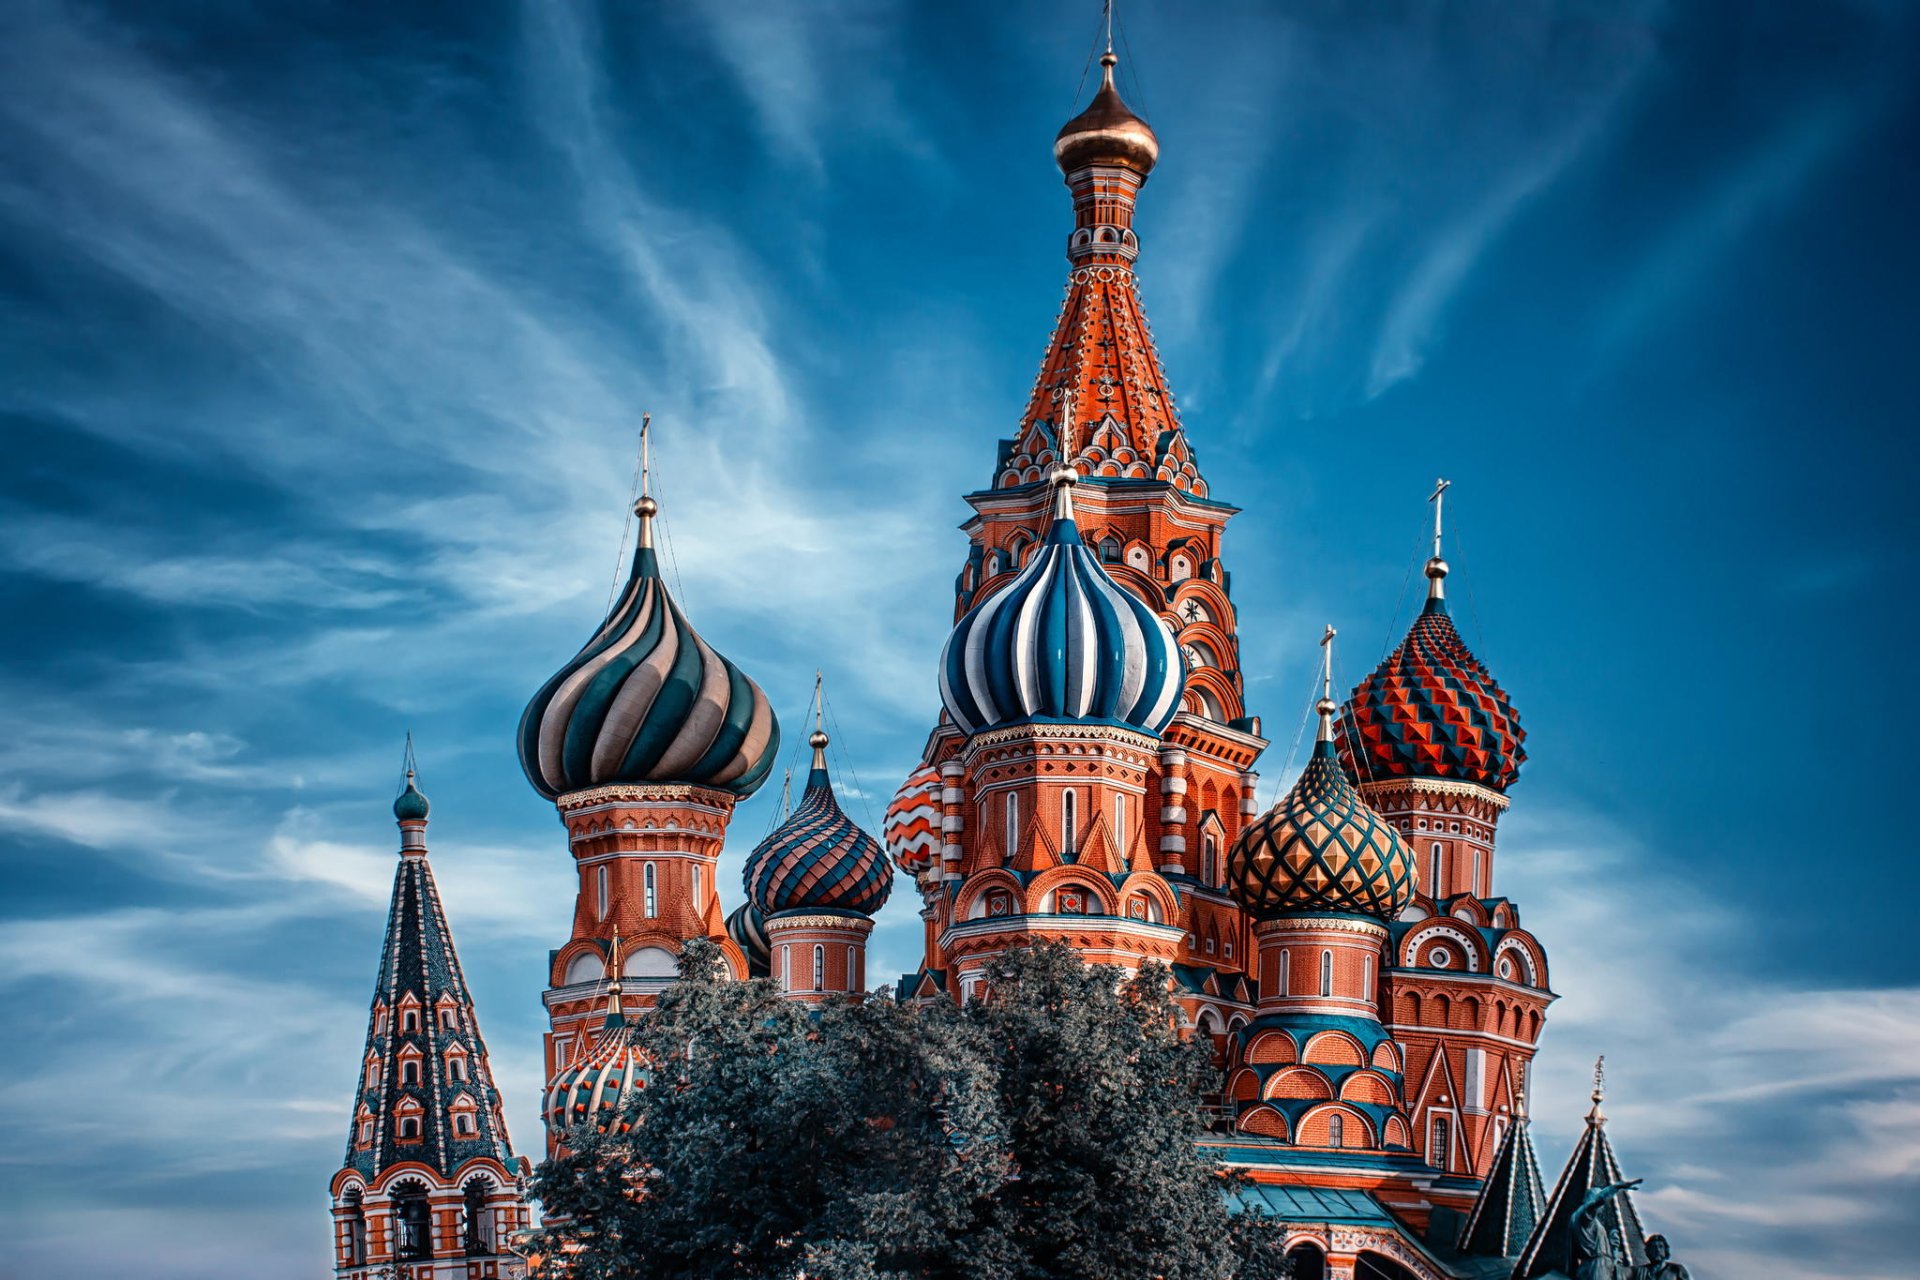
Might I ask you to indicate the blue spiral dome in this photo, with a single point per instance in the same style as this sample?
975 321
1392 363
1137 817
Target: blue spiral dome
817 859
1062 642
647 700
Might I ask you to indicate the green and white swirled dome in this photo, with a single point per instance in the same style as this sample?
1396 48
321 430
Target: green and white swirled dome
647 700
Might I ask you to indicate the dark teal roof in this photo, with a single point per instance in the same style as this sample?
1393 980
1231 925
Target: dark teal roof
411 806
1510 1204
418 960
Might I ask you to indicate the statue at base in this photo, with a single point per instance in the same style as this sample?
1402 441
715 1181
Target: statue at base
1596 1256
1660 1263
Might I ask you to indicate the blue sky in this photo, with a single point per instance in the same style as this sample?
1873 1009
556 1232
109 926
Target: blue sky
324 337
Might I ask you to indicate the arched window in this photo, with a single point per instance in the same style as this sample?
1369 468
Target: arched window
699 886
409 1128
412 1226
1366 975
457 1068
356 1241
601 883
786 967
1439 1142
1110 550
819 968
1286 973
1013 824
1336 1130
1120 821
1476 871
1210 861
478 1219
1433 879
464 1125
1069 820
853 968
409 1021
410 1071
647 888
1326 973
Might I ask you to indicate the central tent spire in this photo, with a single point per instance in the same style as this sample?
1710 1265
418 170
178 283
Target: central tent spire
1101 359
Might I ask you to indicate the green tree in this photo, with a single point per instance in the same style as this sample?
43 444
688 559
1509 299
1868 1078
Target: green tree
1047 1131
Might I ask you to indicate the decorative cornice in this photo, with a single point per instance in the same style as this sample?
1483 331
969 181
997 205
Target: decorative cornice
1469 791
648 795
1321 924
849 923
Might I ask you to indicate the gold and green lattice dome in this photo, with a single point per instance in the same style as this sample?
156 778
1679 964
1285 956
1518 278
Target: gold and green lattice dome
1321 849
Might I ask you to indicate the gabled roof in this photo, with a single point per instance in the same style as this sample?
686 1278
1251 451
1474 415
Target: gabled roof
1510 1203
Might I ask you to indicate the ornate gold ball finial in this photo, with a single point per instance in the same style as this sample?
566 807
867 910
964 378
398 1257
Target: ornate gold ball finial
1436 568
817 739
1107 132
1326 707
646 508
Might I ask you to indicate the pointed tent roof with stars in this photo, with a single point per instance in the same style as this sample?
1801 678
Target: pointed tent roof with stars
1592 1164
420 970
1510 1201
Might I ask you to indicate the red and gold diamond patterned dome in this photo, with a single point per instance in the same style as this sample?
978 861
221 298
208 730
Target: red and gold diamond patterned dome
1433 710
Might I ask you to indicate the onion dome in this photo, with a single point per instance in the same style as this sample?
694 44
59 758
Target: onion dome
411 806
748 927
1432 709
602 1072
1321 848
1062 642
1107 132
817 858
647 700
912 829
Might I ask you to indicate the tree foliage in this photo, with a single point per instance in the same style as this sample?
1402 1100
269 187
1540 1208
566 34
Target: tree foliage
1048 1131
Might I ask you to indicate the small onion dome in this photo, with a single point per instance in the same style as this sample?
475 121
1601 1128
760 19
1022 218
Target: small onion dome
912 829
1321 848
647 700
1107 132
1432 710
602 1073
411 806
1062 642
817 858
748 927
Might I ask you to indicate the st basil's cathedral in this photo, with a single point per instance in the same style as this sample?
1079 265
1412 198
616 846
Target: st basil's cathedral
1373 1002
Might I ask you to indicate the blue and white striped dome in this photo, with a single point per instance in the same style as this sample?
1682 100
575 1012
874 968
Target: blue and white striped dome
1062 642
647 700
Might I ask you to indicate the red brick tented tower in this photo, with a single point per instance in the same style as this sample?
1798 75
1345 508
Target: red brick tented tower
430 1189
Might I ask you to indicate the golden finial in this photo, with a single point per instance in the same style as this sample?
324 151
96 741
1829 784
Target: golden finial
1596 1115
614 1009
